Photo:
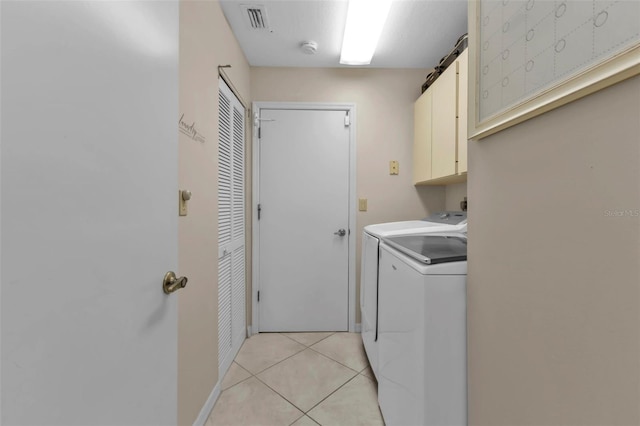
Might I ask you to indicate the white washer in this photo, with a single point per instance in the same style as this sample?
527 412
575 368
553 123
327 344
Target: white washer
422 376
437 222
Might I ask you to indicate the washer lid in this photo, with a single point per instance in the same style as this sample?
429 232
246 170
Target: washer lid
431 249
448 221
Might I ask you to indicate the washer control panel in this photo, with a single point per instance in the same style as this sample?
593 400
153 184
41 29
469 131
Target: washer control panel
448 217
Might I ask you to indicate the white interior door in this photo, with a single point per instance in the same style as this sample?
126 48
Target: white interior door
89 212
231 243
304 203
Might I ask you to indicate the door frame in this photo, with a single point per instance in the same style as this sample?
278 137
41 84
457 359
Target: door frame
350 108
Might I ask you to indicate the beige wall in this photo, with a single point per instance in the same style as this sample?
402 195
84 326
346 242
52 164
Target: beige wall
553 284
453 194
384 106
205 42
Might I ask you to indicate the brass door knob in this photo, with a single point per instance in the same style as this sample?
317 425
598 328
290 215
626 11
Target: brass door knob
171 283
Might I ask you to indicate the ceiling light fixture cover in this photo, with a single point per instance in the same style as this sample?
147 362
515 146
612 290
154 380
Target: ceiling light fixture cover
365 20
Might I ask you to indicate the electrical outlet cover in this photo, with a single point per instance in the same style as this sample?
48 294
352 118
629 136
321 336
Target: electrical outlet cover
394 167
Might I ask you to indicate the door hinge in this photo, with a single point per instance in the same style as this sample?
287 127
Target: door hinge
258 295
347 120
259 210
259 132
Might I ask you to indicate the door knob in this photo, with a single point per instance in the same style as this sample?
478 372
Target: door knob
340 232
171 283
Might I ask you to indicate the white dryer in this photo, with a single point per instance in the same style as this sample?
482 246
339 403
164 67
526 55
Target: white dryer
438 222
422 376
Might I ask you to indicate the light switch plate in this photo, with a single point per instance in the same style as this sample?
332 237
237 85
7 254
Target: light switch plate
362 204
394 167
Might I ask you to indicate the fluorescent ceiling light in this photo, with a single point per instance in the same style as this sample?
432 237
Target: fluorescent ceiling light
365 20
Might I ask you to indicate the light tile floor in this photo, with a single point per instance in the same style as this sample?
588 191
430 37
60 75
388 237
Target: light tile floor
299 379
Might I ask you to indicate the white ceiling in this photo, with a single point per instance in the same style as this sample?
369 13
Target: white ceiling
417 34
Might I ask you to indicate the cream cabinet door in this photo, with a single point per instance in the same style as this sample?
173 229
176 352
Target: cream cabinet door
444 138
422 138
463 78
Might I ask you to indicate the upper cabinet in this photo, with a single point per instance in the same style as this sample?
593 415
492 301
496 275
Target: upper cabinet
440 128
422 138
463 90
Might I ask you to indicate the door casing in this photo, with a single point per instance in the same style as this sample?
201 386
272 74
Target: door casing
349 108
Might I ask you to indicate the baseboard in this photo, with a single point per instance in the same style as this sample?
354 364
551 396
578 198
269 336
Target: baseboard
208 406
358 327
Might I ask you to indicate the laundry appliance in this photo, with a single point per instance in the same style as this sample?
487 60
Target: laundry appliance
422 371
452 221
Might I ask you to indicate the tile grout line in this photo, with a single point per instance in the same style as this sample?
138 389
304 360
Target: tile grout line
235 384
294 354
334 360
325 398
284 359
275 391
319 402
304 415
290 402
332 333
357 373
343 385
373 379
327 356
265 369
262 371
283 397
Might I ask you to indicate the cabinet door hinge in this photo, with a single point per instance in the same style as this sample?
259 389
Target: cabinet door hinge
259 210
347 120
259 132
258 295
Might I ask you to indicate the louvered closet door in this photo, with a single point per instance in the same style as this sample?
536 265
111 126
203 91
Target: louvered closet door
231 247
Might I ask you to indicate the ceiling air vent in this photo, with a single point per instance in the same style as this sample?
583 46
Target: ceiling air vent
256 16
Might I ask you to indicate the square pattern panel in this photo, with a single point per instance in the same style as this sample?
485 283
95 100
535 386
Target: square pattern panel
301 379
527 46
